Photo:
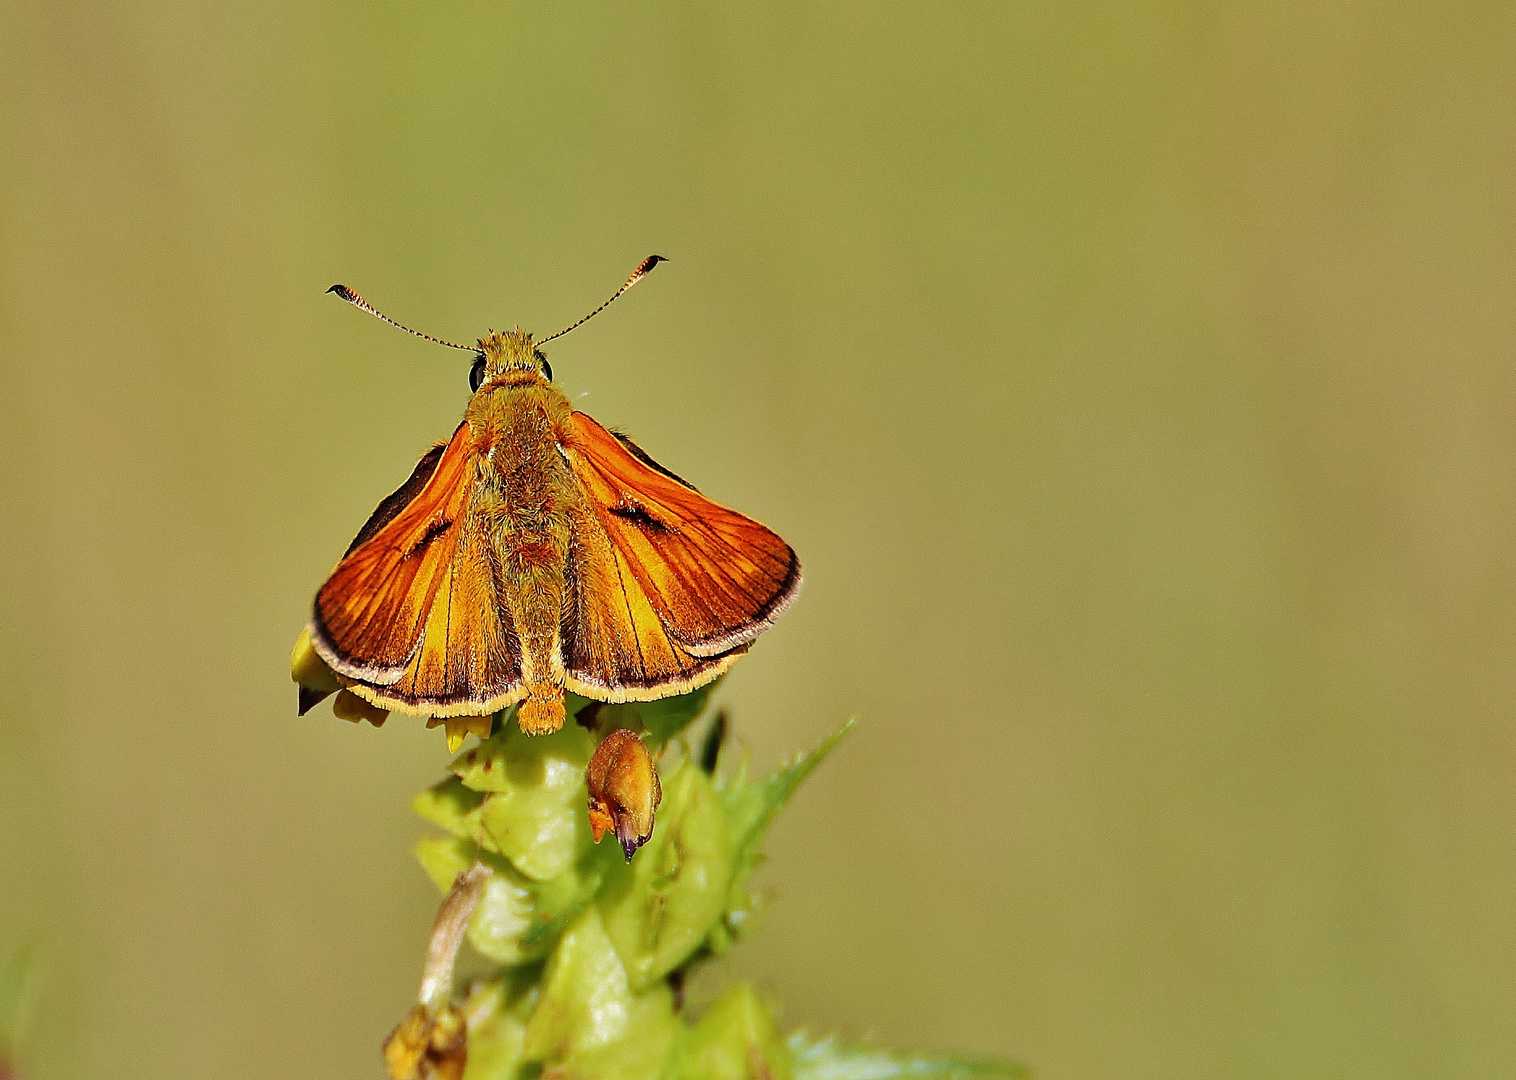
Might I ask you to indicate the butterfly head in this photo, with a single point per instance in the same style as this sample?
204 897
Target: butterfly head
508 357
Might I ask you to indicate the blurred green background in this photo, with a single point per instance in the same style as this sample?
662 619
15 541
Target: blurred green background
1136 382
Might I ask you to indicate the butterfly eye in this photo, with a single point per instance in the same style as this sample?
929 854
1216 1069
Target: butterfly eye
547 369
476 375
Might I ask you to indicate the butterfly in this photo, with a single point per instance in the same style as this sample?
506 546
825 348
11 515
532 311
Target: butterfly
536 551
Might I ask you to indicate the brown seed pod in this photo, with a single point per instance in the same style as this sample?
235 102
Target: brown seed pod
623 789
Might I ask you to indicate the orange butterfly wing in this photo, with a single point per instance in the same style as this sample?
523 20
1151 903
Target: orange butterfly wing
412 613
667 587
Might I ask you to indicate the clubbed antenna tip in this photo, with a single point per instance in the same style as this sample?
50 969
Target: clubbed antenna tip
644 268
359 302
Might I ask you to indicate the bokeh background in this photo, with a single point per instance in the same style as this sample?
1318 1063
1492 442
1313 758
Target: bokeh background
1135 380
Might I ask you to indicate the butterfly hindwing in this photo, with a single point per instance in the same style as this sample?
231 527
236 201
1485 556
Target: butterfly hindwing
412 612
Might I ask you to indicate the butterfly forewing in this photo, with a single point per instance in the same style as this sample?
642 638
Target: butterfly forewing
412 612
669 585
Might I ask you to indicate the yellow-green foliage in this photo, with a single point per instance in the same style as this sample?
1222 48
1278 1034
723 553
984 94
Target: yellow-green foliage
593 947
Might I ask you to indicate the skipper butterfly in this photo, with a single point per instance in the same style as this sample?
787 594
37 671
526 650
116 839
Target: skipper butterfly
536 551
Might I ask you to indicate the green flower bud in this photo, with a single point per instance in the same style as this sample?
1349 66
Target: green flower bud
444 858
641 1054
484 768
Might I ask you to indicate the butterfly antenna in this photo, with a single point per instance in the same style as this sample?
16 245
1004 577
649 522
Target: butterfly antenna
643 269
359 302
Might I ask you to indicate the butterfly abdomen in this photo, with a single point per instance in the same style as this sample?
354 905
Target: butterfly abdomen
525 501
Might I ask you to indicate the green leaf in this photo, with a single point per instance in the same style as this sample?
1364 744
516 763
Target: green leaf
558 902
641 1054
660 907
589 1022
444 858
826 1059
451 806
750 807
495 1034
735 1040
